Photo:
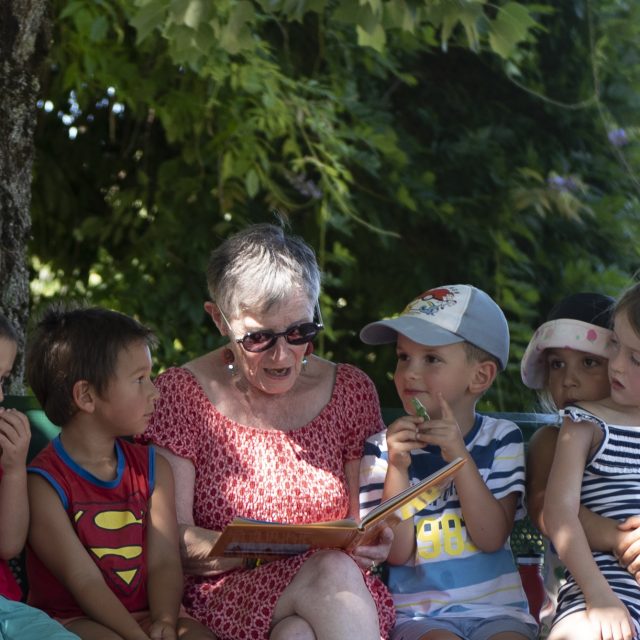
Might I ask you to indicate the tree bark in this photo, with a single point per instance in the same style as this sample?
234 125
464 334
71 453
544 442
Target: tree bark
24 29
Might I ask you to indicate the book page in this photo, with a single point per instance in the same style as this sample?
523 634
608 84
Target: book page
248 538
416 497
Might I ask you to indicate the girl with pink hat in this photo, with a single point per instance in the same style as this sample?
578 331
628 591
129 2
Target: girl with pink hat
566 362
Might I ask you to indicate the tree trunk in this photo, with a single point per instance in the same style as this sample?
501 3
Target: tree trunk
23 46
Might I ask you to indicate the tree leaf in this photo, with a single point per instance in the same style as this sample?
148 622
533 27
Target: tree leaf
149 18
252 183
376 38
510 28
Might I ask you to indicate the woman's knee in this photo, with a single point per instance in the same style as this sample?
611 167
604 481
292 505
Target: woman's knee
335 568
292 628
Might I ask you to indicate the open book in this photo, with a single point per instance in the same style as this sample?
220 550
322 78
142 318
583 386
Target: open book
246 538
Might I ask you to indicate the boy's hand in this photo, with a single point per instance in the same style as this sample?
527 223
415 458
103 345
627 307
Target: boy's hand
445 433
627 548
403 435
15 435
160 630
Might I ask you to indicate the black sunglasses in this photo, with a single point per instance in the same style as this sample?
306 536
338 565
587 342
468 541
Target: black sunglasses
258 341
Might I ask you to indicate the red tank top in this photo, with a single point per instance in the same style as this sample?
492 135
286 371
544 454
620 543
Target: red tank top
109 518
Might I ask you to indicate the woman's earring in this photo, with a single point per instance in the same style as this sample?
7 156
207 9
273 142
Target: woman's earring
228 358
307 352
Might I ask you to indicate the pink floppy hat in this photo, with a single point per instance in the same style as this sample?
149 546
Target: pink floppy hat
580 321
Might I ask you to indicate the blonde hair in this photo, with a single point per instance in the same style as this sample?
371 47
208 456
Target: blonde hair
629 303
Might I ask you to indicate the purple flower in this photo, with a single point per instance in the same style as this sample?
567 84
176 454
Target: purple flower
618 137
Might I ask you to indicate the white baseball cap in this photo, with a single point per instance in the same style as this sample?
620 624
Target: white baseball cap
446 315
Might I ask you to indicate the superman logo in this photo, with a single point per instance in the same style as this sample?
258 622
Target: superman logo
114 535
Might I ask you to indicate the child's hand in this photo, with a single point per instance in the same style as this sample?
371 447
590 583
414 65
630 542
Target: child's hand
160 630
445 433
627 548
403 435
609 618
15 435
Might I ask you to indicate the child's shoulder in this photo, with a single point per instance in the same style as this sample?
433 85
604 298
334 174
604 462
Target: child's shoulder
378 440
603 412
498 427
137 454
44 455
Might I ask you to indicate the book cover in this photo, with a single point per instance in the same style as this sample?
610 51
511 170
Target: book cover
246 538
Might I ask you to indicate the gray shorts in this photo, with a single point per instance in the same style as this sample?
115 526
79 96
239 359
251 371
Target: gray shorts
465 628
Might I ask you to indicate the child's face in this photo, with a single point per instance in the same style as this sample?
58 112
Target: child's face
423 372
624 363
576 375
8 350
128 402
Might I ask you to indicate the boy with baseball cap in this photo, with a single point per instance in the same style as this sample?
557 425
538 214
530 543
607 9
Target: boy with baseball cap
451 572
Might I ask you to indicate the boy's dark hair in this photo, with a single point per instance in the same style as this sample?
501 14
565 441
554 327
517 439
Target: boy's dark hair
77 344
7 330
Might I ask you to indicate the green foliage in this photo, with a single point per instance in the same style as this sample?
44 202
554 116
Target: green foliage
412 142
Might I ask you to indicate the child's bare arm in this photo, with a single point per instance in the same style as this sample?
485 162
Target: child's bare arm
489 520
402 437
54 541
540 451
165 579
15 435
602 533
561 510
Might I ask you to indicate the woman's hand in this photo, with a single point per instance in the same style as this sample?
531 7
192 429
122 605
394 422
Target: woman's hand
369 556
195 549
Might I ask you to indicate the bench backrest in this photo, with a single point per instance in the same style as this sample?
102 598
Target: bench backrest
42 429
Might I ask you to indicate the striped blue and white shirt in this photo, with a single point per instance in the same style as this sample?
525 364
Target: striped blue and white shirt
449 576
610 488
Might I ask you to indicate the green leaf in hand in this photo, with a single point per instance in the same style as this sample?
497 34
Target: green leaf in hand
420 409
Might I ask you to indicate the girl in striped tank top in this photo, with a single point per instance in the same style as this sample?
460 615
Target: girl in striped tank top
597 463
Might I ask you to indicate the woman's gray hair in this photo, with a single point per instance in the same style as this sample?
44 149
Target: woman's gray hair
259 267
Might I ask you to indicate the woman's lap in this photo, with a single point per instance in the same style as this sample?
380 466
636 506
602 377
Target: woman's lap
240 604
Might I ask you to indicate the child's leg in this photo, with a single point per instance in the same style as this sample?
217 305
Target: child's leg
574 627
19 621
190 629
89 630
439 634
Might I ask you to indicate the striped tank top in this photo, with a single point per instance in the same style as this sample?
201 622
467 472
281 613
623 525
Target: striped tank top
610 488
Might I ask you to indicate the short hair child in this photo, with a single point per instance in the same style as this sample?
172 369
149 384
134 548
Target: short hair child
596 464
17 620
103 544
451 567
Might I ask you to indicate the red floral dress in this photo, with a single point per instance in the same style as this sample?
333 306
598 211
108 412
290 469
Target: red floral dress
295 476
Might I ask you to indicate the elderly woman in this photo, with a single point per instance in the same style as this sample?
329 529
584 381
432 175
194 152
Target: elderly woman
261 428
